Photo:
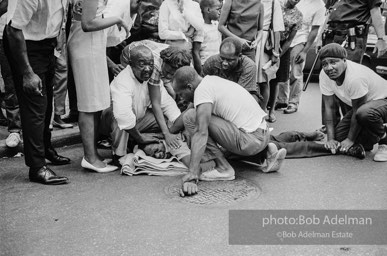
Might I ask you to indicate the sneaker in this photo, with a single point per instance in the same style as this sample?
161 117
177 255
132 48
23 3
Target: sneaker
291 109
357 150
13 140
381 153
214 175
275 161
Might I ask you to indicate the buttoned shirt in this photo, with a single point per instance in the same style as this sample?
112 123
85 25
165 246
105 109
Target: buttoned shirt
38 19
244 74
353 11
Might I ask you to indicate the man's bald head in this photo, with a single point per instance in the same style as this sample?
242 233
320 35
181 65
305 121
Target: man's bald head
231 45
141 61
184 76
137 52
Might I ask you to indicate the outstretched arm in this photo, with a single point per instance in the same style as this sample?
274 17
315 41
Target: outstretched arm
198 146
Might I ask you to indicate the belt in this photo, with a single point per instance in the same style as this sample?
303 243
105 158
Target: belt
360 30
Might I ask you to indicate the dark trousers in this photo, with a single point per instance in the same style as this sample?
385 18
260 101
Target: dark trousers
370 117
297 146
35 110
9 97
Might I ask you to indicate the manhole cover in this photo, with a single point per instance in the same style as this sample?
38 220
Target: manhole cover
217 192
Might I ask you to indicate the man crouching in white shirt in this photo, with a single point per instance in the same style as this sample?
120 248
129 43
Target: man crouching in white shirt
225 114
131 113
363 90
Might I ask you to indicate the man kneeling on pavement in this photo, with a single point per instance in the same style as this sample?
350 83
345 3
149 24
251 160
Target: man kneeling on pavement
362 89
239 128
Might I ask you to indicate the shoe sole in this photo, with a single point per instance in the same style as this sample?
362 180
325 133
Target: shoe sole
380 159
278 161
51 183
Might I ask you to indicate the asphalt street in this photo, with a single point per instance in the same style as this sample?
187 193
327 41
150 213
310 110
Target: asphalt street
111 214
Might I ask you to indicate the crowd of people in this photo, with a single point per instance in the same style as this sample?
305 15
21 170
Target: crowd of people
200 79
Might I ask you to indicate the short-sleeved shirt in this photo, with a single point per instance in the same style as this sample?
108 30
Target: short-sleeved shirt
211 42
292 20
243 18
38 19
245 73
230 102
358 82
313 14
353 11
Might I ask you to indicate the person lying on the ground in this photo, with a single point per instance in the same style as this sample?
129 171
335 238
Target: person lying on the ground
131 114
230 64
363 90
166 60
236 123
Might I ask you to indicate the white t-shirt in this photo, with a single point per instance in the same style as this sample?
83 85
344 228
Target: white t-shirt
313 13
211 42
359 81
230 102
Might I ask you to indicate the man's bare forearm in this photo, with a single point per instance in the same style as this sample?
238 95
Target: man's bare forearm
198 146
19 49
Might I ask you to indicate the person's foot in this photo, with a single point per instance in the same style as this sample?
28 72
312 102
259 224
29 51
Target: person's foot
13 140
46 176
271 118
274 158
314 136
56 159
357 150
291 109
58 122
98 166
280 105
214 175
381 153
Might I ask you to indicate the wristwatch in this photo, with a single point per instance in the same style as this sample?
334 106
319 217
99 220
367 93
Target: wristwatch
384 38
276 54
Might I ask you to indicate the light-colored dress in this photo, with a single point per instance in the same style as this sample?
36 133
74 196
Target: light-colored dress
87 53
262 57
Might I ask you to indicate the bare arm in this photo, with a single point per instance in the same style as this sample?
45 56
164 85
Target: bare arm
31 82
311 37
226 8
377 22
92 23
288 41
196 57
329 102
155 96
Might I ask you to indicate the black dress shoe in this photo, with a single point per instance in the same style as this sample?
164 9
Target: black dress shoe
280 105
56 159
357 151
46 176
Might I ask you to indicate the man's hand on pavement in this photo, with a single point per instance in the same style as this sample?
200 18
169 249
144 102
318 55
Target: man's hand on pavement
189 186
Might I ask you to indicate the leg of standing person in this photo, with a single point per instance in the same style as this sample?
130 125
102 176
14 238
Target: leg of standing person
10 101
60 90
295 80
36 110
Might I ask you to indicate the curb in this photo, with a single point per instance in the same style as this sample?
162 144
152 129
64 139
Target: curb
59 138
